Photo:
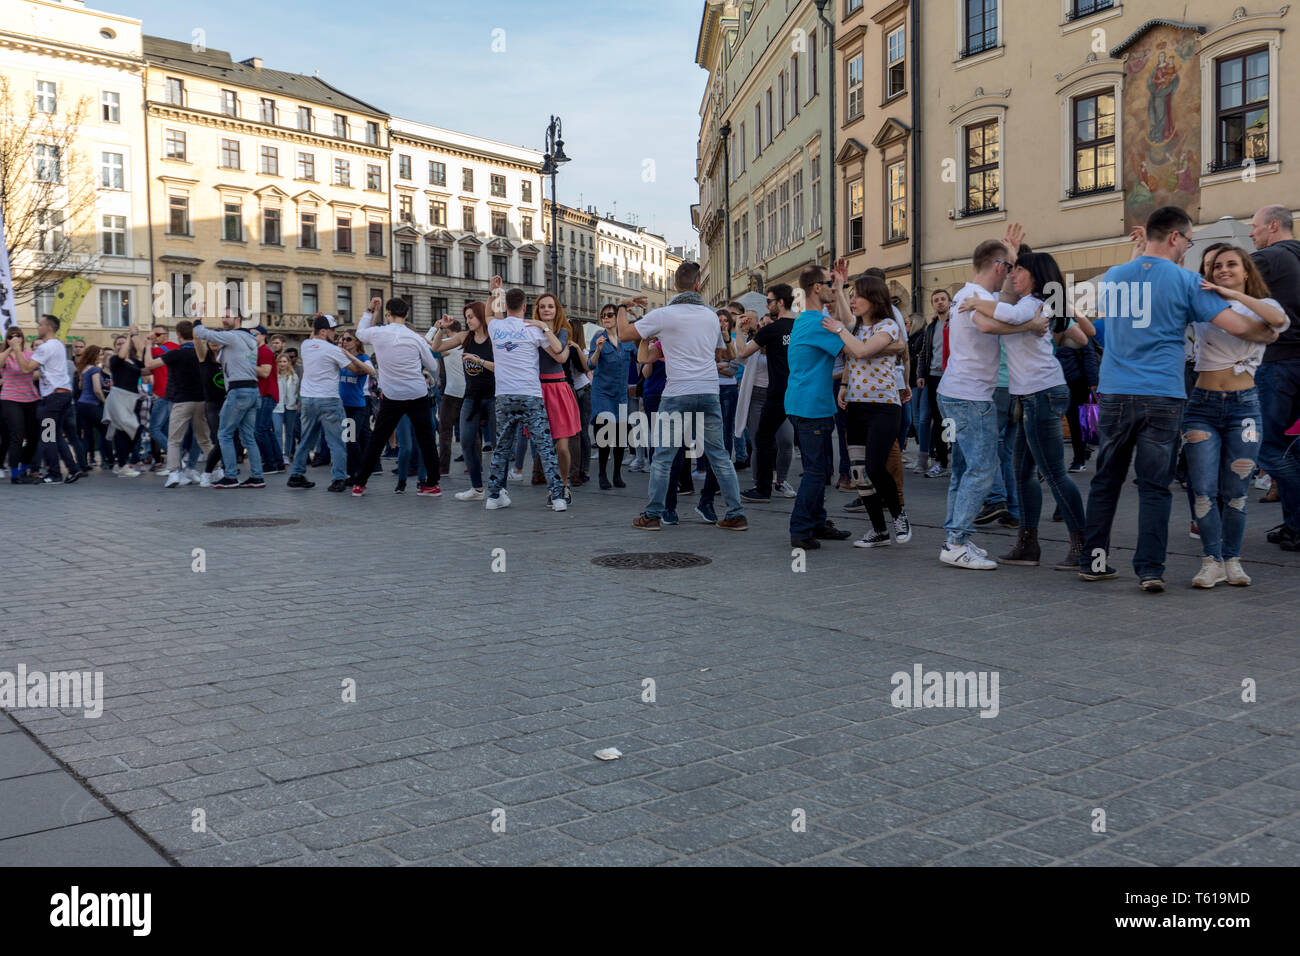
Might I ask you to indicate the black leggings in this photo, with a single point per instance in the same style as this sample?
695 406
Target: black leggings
92 431
1078 396
212 412
938 447
20 419
872 432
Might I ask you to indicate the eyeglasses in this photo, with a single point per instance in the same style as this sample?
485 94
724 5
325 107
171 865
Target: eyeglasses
1187 237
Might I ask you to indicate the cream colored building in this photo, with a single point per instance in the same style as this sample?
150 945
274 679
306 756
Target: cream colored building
654 249
464 209
576 258
269 191
63 56
620 259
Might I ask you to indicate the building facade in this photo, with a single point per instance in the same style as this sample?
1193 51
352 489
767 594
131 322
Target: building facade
575 246
463 209
269 191
620 260
82 72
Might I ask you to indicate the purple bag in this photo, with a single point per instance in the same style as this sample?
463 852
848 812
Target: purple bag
1089 412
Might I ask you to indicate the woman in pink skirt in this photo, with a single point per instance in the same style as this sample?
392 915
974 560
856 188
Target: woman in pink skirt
561 405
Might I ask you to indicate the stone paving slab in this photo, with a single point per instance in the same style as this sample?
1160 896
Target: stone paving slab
769 738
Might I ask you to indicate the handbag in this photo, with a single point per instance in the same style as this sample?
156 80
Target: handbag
1089 413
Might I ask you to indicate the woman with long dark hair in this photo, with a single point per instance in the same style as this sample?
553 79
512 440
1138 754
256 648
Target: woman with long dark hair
90 406
120 408
578 372
19 397
480 389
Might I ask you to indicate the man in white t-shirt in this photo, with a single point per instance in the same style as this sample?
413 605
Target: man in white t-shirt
322 408
687 331
55 405
519 402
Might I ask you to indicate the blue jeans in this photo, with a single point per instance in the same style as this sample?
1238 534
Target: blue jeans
239 414
922 400
814 436
728 396
1138 430
1039 445
681 409
1278 386
160 416
974 463
475 415
905 424
267 443
406 449
1219 465
321 417
286 426
1004 479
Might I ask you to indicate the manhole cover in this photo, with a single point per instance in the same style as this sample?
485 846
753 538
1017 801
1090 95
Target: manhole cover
651 561
251 522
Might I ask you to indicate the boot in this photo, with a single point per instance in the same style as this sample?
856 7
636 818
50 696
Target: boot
1026 551
1071 561
922 464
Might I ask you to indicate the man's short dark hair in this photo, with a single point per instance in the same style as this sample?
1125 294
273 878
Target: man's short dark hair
53 320
783 292
397 308
1165 220
185 329
810 277
876 271
987 252
688 276
938 291
515 300
737 305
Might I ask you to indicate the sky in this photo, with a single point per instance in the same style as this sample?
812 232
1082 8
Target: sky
620 74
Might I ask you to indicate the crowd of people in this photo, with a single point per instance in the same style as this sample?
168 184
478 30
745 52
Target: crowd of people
1193 377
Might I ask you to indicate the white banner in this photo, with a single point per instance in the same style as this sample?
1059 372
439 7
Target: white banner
8 308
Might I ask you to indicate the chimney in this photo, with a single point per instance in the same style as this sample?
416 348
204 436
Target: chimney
254 61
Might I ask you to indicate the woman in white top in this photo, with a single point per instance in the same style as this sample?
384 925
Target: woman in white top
288 407
1221 425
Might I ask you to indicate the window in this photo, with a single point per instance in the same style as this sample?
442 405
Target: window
771 222
374 177
270 227
342 172
981 26
467 219
896 62
343 303
528 271
115 308
526 191
437 213
343 233
307 230
47 99
794 85
270 163
738 152
758 130
233 222
856 216
735 245
1085 8
467 180
111 171
178 215
229 103
173 144
498 186
438 260
372 133
49 230
266 111
815 182
768 117
437 173
304 118
526 230
439 307
183 298
785 213
468 260
175 91
896 184
812 63
375 238
854 81
274 297
110 107
404 166
499 224
983 177
852 6
501 267
1242 86
405 211
1094 144
406 257
307 166
230 154
310 298
113 236
796 214
340 126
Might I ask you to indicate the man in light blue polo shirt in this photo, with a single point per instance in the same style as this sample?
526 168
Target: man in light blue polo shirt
1148 304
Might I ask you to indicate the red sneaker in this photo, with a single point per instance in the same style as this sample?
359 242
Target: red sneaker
358 491
429 491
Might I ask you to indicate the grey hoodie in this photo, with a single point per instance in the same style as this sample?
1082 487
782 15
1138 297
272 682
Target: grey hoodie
238 352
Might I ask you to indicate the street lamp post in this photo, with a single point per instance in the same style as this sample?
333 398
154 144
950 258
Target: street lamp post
725 133
830 71
551 164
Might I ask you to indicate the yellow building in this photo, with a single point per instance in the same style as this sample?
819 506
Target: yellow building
269 191
93 240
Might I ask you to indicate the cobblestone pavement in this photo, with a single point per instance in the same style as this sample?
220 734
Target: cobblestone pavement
481 697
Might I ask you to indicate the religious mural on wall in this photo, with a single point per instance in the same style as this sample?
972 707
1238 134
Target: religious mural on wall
1162 123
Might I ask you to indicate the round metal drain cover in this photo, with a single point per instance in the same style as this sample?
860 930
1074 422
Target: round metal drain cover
251 522
651 561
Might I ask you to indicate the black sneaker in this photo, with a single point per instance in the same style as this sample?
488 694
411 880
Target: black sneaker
26 478
226 482
251 482
72 477
1277 535
856 506
274 471
1152 585
808 544
742 464
706 513
53 479
991 512
299 481
755 496
1076 467
1009 521
1108 574
338 485
828 532
400 489
1290 540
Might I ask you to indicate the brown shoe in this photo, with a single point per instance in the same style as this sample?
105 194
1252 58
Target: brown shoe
733 524
539 479
1271 495
845 484
645 522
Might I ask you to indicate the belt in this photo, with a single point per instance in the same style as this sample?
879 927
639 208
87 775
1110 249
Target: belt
242 383
61 391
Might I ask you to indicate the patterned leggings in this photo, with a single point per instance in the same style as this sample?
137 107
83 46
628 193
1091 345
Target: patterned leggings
522 411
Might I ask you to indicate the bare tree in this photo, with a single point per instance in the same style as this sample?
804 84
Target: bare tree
47 191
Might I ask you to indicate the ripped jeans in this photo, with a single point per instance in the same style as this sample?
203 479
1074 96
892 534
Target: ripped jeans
1221 435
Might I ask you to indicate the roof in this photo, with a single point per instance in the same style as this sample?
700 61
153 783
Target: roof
1142 30
217 65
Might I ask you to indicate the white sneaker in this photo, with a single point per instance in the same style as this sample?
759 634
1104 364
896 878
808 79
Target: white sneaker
217 474
1263 482
206 480
173 480
1212 572
502 501
516 474
937 471
4 472
559 504
1236 575
977 549
186 479
190 474
962 556
469 494
783 489
128 472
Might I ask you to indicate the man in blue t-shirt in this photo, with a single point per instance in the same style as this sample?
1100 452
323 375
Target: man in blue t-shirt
1148 303
352 390
810 399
